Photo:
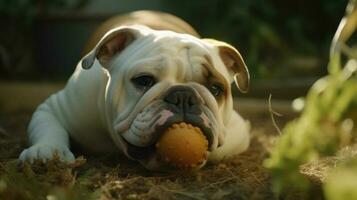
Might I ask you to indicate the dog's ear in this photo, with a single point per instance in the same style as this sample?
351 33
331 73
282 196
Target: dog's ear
113 42
234 63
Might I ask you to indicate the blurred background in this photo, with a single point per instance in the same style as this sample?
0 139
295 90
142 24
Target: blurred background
285 43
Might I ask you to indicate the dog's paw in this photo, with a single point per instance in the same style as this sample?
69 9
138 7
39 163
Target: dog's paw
44 152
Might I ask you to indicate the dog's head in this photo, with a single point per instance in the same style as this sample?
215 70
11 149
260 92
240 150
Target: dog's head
157 78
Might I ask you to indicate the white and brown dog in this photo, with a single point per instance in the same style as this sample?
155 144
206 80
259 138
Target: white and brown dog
148 71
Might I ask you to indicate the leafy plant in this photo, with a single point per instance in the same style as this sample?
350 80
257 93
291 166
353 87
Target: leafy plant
325 125
341 182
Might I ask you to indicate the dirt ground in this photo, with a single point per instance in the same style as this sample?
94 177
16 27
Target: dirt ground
113 177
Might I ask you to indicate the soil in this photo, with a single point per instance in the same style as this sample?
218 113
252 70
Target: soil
113 177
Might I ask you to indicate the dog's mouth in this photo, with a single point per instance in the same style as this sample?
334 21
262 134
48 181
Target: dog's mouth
141 153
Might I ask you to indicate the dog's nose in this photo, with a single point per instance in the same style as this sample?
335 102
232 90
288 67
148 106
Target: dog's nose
183 99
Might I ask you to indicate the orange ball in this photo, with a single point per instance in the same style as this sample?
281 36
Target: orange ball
183 146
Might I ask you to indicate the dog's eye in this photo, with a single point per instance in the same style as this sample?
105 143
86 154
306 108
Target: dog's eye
145 81
216 89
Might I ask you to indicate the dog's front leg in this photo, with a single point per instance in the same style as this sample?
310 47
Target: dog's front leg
47 136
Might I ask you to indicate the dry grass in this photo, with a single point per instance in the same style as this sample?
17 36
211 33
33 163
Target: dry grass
317 171
113 177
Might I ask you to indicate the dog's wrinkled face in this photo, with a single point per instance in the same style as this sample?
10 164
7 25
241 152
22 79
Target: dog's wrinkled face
158 78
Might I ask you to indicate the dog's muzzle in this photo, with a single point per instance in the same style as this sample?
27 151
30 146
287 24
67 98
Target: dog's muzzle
186 106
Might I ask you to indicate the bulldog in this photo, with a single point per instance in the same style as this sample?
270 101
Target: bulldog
135 82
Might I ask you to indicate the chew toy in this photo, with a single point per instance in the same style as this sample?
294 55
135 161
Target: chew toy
183 146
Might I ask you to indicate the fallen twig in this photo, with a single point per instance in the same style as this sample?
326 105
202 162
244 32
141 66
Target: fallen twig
272 113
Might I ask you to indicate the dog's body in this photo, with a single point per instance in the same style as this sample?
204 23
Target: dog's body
134 84
154 20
